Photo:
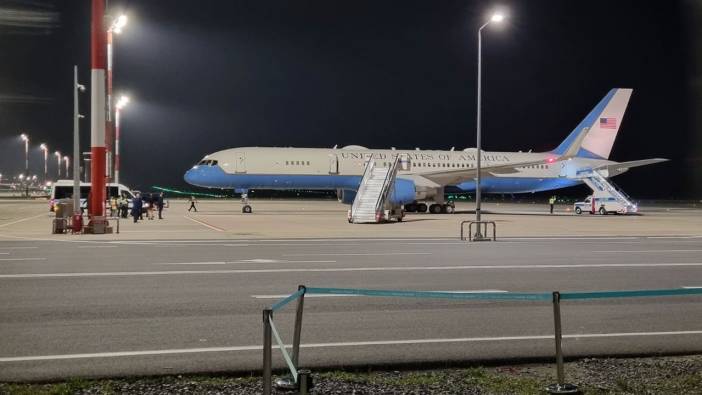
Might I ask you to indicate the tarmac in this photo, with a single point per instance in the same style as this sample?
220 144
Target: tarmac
185 294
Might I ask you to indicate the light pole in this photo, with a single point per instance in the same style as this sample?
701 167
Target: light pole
497 18
123 100
66 162
116 27
45 148
58 168
25 138
76 142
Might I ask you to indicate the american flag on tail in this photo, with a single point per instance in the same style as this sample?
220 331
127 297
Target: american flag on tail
608 123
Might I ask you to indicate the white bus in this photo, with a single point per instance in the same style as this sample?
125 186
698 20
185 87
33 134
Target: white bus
63 189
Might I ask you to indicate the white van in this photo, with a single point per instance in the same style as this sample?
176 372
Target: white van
601 205
63 189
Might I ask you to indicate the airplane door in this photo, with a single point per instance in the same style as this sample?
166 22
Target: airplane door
333 164
405 162
240 162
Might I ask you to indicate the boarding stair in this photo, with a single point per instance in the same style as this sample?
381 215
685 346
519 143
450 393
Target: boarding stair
603 187
371 204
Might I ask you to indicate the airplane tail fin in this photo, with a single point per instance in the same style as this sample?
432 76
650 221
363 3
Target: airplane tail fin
603 122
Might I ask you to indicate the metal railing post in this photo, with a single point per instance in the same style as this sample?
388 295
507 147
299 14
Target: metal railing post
558 332
267 345
298 327
304 380
560 387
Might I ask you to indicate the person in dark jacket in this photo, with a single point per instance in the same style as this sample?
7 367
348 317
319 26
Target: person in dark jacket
136 207
159 204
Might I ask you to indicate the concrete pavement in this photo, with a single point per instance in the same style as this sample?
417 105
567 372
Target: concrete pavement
157 302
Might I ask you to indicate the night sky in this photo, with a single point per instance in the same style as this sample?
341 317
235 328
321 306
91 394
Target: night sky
209 75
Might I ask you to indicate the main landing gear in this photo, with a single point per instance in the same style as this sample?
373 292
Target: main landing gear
447 208
246 209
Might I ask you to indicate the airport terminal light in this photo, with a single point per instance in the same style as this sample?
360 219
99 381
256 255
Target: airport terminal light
45 148
25 138
496 18
123 100
58 168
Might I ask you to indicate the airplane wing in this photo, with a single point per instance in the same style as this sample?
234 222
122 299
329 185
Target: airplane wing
452 177
624 166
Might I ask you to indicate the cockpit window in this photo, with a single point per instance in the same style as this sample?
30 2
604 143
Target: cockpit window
213 163
207 163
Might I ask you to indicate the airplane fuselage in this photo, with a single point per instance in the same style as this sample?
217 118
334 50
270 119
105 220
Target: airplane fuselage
321 168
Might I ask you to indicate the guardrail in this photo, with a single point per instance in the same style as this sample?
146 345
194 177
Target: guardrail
481 236
300 377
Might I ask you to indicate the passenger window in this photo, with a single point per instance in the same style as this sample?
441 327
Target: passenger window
308 163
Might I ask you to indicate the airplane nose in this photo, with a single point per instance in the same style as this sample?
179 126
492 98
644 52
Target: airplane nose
190 177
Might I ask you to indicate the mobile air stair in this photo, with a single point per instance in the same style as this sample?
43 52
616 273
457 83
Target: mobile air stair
604 188
371 204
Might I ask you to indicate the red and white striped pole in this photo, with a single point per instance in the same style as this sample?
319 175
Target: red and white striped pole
97 104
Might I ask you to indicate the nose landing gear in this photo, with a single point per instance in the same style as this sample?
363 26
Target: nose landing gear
246 209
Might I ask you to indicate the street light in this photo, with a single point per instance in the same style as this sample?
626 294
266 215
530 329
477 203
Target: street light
123 100
58 169
496 18
66 162
25 138
45 148
117 25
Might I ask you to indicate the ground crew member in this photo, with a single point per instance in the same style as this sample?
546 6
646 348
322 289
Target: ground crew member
136 207
159 204
551 202
192 203
113 206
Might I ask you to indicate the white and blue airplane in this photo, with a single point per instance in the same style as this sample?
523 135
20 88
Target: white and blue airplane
584 151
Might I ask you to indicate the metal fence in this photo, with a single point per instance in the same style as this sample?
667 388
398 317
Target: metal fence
300 377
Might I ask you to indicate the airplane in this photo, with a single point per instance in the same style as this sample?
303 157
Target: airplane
583 157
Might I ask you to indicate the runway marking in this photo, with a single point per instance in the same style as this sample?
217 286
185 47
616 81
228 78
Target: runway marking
573 238
348 269
548 337
675 237
192 263
363 254
243 261
693 287
18 248
22 259
23 219
98 246
203 223
4 253
646 251
281 296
